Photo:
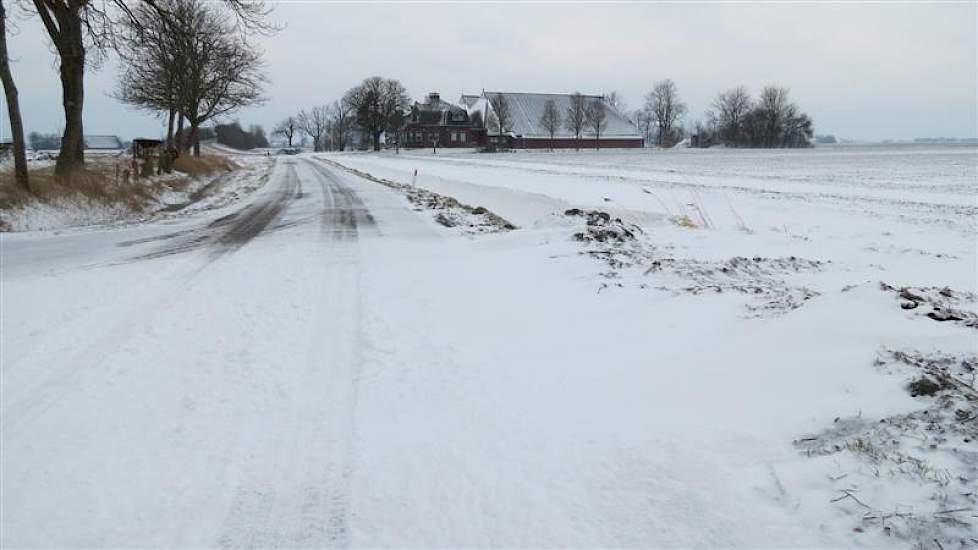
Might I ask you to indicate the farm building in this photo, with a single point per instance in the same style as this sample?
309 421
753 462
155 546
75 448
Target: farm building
52 142
442 124
103 143
436 122
525 130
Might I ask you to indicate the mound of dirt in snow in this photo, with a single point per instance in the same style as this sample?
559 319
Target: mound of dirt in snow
763 278
602 228
623 245
449 212
933 449
944 304
452 213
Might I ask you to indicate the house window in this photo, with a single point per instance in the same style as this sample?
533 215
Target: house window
461 137
454 137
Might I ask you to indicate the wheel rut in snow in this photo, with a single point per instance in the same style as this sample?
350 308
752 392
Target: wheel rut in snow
344 212
297 492
251 221
232 231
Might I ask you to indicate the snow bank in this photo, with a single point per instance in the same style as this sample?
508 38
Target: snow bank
169 193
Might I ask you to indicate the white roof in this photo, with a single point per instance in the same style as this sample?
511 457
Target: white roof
102 142
527 108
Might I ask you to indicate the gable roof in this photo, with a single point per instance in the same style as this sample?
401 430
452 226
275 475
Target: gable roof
526 109
468 100
438 111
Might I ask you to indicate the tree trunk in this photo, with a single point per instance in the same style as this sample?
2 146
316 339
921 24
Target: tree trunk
181 139
13 108
195 137
72 52
377 140
169 127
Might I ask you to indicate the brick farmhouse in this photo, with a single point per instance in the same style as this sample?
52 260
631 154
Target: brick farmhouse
438 123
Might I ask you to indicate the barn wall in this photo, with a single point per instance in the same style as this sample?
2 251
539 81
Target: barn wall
584 143
474 137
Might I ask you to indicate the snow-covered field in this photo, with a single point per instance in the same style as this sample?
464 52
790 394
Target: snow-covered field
677 349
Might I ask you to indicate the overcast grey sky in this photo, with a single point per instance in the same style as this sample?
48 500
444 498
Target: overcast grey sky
862 70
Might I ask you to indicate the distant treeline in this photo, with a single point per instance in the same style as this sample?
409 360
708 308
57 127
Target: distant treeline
735 119
232 135
39 141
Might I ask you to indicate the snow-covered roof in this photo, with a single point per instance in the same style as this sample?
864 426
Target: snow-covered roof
468 101
527 108
473 104
103 142
438 111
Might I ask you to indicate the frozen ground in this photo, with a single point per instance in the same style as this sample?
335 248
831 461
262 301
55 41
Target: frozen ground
326 364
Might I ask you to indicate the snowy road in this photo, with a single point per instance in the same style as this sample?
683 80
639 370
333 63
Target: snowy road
220 355
324 365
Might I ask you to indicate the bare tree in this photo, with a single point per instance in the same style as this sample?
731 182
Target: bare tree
394 105
313 123
727 115
395 121
184 56
798 128
13 108
373 103
550 120
222 72
501 115
364 101
596 118
153 61
82 28
340 122
286 129
65 21
575 119
774 110
643 119
772 121
667 111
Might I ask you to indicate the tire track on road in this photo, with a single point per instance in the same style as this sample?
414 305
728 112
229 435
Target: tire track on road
232 231
299 495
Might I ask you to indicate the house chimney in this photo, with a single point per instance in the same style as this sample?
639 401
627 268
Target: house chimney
434 97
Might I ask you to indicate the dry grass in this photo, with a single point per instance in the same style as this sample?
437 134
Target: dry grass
101 180
203 165
104 180
684 221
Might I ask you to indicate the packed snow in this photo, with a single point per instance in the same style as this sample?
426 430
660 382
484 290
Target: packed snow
602 349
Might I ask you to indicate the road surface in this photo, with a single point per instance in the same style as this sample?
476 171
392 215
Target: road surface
221 355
